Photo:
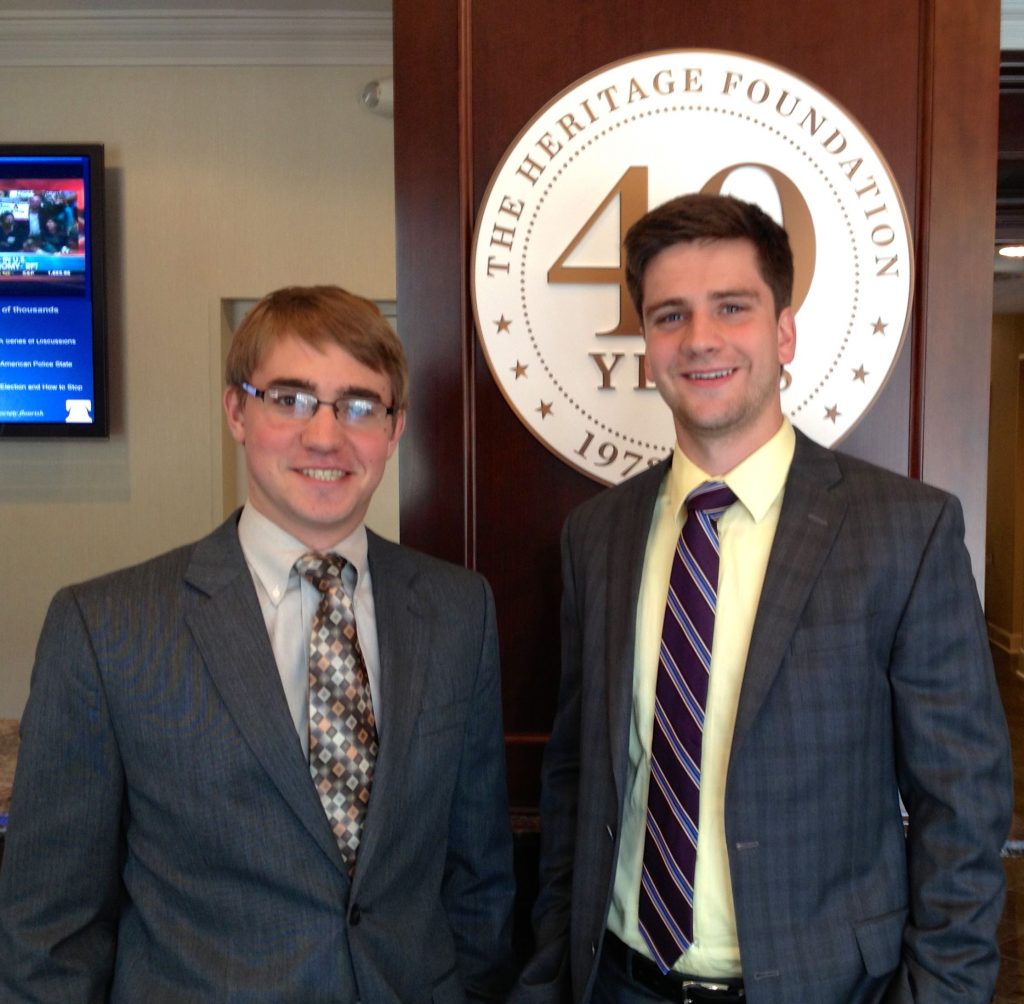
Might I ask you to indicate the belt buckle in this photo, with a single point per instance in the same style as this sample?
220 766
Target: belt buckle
686 985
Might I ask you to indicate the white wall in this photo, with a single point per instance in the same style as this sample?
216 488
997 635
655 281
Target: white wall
222 183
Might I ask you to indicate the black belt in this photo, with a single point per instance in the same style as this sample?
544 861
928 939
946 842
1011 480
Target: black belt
672 986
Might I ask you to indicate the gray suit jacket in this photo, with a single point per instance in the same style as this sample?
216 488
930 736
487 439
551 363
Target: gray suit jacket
868 677
166 842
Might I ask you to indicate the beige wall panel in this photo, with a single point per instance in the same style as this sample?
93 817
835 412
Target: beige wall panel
1004 558
223 183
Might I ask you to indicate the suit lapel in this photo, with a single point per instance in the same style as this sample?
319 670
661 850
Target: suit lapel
404 643
813 509
228 627
627 531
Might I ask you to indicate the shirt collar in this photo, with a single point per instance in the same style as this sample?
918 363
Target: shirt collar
757 480
272 552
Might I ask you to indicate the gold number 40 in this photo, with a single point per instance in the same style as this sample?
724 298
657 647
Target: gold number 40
631 191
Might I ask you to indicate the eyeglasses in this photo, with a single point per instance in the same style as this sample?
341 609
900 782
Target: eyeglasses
292 404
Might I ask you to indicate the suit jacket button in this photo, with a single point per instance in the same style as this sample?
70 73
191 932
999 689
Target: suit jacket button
355 915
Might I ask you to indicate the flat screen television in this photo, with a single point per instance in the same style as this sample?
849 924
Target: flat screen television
53 335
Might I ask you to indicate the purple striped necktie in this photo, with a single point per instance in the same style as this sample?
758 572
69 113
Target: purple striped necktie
684 663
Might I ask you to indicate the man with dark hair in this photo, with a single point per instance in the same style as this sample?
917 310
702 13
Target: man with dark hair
269 766
766 645
11 236
709 218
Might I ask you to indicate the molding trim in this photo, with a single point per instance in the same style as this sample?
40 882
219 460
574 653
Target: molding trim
194 38
1008 641
197 37
231 37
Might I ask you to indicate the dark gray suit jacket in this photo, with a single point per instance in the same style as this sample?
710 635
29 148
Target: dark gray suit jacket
869 676
166 842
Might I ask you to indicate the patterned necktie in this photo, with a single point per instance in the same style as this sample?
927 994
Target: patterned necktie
684 662
342 730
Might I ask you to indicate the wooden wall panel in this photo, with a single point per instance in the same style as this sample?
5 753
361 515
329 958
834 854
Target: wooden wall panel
469 74
431 219
958 160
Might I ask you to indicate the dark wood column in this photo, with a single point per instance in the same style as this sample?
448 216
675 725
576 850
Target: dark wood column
476 487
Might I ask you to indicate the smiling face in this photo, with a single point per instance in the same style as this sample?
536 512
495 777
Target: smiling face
714 348
313 479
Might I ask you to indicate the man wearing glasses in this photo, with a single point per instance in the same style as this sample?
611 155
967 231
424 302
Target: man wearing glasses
268 766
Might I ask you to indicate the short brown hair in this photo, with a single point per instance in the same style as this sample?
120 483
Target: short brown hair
701 218
318 315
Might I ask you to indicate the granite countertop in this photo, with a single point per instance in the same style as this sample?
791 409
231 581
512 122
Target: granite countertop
8 757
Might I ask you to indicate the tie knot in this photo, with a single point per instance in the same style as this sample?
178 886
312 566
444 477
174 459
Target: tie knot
323 570
711 497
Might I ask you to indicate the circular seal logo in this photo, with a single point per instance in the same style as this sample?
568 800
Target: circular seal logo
556 324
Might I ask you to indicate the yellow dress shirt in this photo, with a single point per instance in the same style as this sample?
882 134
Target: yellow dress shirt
746 532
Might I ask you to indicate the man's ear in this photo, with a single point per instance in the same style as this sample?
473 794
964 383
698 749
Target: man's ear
234 412
786 330
396 432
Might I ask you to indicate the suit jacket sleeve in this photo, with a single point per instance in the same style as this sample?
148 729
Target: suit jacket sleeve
953 767
547 975
479 887
60 885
